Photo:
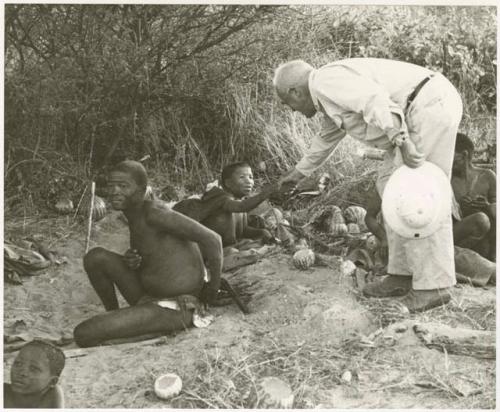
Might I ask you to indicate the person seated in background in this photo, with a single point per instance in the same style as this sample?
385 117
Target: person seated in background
463 261
474 225
34 376
224 209
162 276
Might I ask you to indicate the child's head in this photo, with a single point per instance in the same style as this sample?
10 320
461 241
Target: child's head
237 178
36 367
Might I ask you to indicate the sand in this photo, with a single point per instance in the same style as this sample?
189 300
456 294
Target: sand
289 307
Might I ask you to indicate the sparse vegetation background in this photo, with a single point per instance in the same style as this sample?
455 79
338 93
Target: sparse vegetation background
190 85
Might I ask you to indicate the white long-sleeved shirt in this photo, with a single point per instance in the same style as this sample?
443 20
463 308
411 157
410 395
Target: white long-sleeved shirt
358 97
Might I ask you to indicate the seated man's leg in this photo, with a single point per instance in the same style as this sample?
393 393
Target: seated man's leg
106 269
471 233
492 241
129 322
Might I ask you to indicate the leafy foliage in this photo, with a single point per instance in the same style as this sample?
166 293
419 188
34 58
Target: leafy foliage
88 85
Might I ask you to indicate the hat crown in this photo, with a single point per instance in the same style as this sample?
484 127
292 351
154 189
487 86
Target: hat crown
417 202
416 209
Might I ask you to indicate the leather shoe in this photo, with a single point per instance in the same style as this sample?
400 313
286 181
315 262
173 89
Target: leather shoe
391 285
422 300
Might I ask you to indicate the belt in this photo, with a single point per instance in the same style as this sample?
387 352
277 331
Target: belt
416 90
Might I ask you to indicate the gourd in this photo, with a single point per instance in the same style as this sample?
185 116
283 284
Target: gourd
337 215
303 259
337 222
98 209
353 228
339 229
168 385
356 214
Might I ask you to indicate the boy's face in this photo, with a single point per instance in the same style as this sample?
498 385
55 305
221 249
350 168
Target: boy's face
123 191
30 372
241 182
460 161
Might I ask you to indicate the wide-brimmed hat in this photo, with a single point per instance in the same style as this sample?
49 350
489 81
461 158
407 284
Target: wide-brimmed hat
417 201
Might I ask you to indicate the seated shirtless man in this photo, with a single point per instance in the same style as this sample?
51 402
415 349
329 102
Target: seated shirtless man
375 224
165 263
474 225
225 210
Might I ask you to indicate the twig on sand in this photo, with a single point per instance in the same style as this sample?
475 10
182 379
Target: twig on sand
78 352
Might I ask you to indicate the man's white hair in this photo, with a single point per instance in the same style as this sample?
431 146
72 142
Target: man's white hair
291 74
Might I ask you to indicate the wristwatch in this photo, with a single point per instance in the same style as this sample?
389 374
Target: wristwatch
399 139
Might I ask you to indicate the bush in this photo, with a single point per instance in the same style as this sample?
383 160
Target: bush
191 84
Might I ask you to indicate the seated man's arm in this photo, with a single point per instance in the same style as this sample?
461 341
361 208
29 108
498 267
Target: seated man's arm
209 242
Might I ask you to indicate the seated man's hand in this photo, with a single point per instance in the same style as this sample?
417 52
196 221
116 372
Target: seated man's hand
132 259
471 205
412 157
481 203
208 294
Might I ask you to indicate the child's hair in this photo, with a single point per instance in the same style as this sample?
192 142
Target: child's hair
229 170
464 142
54 354
135 169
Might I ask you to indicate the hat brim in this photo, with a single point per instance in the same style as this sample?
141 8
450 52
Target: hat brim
430 180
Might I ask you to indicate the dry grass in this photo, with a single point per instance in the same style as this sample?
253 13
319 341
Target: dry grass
226 380
52 229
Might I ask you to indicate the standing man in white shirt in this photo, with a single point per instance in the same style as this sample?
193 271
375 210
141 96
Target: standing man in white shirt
407 110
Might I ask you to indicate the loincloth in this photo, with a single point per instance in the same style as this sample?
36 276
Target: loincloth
200 320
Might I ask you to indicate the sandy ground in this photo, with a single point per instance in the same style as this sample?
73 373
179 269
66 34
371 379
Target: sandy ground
308 310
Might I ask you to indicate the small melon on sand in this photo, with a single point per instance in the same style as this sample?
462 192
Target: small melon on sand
168 385
303 258
275 394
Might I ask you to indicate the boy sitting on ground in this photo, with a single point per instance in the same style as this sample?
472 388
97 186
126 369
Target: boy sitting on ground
162 276
225 209
474 224
34 376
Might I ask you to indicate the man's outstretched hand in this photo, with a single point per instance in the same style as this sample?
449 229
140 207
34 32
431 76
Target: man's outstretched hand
290 180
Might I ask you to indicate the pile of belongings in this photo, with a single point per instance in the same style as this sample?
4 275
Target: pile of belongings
19 261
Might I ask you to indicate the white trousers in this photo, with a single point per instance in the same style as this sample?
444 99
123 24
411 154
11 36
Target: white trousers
433 119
